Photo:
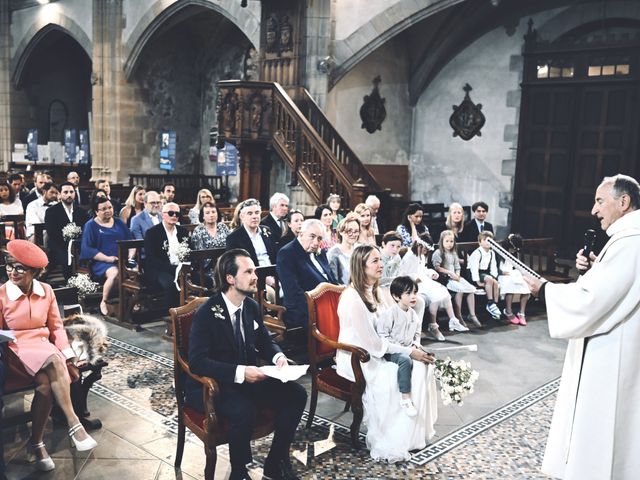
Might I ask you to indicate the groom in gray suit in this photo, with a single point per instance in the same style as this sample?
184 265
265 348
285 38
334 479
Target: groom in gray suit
148 217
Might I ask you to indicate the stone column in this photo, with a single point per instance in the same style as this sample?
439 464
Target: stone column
317 62
5 86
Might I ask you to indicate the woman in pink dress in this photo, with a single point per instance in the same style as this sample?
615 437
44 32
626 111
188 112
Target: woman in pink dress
41 350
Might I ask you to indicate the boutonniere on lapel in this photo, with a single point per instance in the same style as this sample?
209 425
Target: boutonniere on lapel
265 231
218 312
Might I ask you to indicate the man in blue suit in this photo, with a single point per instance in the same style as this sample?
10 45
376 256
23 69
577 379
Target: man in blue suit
301 268
147 218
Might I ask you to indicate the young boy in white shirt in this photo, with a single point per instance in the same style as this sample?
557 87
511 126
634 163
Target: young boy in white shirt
400 325
484 272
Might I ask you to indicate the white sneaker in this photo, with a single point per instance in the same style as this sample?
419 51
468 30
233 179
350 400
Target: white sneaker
407 406
494 311
456 326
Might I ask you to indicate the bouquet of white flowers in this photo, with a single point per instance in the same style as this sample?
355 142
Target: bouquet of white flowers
456 380
181 250
83 283
71 231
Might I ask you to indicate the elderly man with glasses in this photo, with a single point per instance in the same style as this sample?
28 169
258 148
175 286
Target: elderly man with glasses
148 217
161 260
251 236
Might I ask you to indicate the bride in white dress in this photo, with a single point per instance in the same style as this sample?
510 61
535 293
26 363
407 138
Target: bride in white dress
391 433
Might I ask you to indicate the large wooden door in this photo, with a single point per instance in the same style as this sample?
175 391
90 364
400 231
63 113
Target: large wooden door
576 127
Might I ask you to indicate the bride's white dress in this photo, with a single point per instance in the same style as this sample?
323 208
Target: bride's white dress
391 433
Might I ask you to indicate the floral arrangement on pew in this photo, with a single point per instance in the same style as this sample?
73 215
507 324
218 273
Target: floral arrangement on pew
456 380
83 283
70 232
183 252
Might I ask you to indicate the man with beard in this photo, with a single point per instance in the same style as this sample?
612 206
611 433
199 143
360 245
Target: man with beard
55 219
227 335
36 210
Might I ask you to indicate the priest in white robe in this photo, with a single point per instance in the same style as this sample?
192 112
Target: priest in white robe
595 431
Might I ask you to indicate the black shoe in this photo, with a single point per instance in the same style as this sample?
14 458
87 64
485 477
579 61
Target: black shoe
282 470
239 474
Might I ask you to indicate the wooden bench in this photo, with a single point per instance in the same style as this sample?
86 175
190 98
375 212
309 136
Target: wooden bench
130 281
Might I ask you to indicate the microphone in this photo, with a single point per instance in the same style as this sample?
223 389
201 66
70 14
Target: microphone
589 239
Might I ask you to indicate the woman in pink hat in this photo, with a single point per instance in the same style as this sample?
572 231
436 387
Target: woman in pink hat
41 350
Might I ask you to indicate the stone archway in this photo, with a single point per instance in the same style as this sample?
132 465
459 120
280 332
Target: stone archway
247 21
36 33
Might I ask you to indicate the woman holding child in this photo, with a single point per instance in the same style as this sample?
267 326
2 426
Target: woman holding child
391 431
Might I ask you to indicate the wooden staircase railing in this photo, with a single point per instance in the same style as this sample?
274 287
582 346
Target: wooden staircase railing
321 160
339 147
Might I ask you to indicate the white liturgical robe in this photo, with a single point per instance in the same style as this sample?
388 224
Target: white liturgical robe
595 431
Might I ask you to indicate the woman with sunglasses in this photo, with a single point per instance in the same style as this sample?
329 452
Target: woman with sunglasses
339 256
99 244
41 351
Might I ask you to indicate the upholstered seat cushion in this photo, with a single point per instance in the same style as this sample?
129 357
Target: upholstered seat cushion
265 414
328 377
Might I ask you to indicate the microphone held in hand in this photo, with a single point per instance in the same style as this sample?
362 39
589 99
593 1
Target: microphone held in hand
589 239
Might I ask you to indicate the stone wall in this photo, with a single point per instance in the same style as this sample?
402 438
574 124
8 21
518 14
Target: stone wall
392 143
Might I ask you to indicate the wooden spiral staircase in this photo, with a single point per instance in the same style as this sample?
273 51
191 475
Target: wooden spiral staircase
254 114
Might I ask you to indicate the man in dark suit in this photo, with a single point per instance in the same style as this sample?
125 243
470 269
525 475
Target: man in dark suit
278 209
477 224
55 219
227 336
300 269
251 236
81 197
160 262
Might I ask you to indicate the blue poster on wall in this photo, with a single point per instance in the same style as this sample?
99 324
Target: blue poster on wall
168 150
83 151
70 143
32 145
226 159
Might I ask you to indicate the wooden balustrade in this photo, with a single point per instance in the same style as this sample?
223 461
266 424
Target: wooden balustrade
320 159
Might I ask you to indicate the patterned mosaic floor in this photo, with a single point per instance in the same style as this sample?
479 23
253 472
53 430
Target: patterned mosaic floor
507 444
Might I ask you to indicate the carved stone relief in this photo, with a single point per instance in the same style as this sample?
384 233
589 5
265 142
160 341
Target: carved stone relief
372 111
279 34
467 118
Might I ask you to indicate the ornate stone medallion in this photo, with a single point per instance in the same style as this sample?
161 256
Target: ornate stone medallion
467 118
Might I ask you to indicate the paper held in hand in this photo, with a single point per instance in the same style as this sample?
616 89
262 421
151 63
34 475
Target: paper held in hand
289 373
7 336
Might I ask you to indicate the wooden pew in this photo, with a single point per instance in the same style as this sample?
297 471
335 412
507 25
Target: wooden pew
130 281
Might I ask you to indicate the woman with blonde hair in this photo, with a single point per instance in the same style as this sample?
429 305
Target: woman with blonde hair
391 432
204 196
133 205
367 235
455 220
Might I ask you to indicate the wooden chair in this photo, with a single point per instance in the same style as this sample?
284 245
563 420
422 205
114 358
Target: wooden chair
77 265
208 426
19 381
38 235
272 311
192 278
324 328
541 255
